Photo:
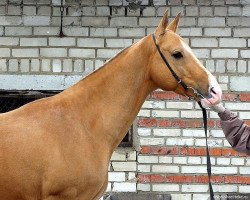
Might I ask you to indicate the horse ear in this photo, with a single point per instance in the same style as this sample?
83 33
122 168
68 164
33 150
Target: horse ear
174 24
162 25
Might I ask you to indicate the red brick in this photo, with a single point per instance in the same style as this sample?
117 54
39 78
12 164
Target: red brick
159 178
156 150
216 179
212 123
204 179
162 95
237 179
200 151
159 95
244 180
178 123
215 151
174 151
190 151
143 178
165 123
188 123
231 179
187 151
229 152
145 150
160 150
245 97
201 179
156 178
147 122
247 122
193 124
243 155
183 179
229 97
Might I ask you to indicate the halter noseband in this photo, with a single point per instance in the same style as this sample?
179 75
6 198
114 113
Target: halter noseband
185 87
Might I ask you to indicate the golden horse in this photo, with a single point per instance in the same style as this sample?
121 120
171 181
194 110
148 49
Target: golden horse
59 148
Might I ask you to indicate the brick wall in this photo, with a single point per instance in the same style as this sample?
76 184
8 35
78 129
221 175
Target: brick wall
171 155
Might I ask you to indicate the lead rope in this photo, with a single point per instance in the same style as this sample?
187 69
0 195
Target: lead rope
204 113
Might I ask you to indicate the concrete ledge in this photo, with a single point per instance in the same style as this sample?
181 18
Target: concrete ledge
138 196
37 82
233 196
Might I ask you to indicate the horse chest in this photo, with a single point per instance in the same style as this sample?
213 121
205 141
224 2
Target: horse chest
86 186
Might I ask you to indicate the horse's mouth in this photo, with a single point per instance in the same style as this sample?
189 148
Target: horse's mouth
212 97
216 98
194 94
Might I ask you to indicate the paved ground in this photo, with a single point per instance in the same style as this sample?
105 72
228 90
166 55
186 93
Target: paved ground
136 196
148 196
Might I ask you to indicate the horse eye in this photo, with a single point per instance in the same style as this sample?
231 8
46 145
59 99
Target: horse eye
177 55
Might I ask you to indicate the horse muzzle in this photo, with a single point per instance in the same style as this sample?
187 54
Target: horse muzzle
216 97
215 92
213 95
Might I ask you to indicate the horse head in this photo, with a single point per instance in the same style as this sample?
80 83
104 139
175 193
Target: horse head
183 63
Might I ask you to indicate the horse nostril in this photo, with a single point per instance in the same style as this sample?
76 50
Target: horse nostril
210 91
213 91
209 95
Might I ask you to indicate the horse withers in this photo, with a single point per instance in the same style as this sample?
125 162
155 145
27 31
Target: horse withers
59 148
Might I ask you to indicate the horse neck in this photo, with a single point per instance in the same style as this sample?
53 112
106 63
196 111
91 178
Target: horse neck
112 96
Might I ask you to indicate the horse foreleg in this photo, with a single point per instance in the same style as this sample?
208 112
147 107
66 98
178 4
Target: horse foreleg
102 190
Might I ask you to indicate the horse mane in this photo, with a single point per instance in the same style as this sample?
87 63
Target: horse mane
109 61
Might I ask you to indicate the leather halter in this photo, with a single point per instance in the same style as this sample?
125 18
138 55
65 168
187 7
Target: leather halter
204 113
